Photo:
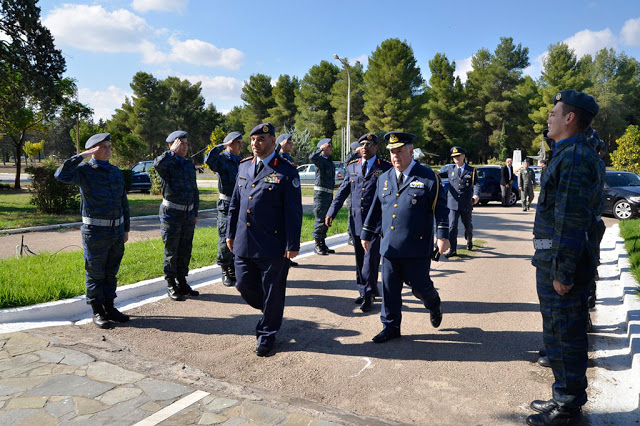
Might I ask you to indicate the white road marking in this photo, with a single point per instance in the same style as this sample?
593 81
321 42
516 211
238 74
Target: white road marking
172 409
367 365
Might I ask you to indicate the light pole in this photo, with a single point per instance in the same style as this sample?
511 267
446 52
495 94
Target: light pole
346 66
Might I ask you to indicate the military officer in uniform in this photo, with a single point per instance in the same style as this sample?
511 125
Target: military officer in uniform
526 182
284 146
224 159
360 183
178 213
355 154
409 199
105 223
463 194
322 192
569 201
265 219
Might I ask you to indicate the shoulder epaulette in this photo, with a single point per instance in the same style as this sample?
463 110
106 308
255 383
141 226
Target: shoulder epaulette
287 162
353 161
382 160
246 159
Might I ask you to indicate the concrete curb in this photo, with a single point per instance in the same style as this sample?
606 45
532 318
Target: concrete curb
631 305
129 296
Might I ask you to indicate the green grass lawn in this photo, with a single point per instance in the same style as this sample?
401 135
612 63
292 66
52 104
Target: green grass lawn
47 277
630 232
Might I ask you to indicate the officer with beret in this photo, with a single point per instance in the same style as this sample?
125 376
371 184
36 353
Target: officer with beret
322 192
178 213
224 160
105 223
409 198
360 183
570 199
526 182
265 219
284 146
462 195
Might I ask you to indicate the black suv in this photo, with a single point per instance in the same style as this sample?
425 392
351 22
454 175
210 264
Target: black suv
140 180
489 179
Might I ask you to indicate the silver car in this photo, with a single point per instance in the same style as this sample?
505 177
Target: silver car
308 174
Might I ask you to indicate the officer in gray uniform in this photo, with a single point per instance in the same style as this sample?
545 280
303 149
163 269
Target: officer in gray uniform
526 182
224 159
322 192
178 213
105 223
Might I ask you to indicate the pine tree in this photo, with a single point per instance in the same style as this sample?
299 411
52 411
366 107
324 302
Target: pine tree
339 101
284 112
313 100
257 93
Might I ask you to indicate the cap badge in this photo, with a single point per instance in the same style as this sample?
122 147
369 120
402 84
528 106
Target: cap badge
265 128
558 96
369 137
393 139
455 150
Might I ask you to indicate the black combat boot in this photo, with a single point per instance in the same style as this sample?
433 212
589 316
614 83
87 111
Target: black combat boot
185 288
113 314
326 248
99 316
557 416
172 290
319 248
228 276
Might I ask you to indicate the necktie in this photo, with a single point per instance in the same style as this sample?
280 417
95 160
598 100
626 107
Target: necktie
400 179
364 168
459 171
259 167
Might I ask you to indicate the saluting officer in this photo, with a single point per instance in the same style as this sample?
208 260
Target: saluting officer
105 223
224 159
322 192
408 198
360 183
284 146
265 219
178 213
463 194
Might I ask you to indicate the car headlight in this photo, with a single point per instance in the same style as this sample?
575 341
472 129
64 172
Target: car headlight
634 199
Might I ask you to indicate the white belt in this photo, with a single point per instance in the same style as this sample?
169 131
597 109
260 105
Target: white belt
542 243
102 222
177 206
223 197
323 189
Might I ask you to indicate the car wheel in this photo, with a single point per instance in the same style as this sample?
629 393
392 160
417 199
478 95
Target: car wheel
622 209
513 198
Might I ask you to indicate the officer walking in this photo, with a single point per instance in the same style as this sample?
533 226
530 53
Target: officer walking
570 197
284 146
526 182
178 213
408 198
224 159
355 154
265 219
322 192
463 194
360 183
105 223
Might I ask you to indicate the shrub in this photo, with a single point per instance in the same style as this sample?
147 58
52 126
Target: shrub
156 182
50 195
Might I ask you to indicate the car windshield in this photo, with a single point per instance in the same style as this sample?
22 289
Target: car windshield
138 168
622 179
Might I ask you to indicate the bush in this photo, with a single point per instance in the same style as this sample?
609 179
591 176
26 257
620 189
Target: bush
50 195
156 182
627 156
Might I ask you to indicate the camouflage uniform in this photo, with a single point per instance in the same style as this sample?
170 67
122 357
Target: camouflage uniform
322 190
527 181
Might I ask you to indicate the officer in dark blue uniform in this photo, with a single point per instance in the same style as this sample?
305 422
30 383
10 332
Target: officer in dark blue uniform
355 154
265 219
284 146
464 192
105 223
224 159
360 183
322 192
408 198
178 213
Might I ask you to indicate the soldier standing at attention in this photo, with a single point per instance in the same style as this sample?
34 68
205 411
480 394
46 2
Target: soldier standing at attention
322 192
360 183
224 160
408 198
265 219
570 199
105 223
526 181
178 213
464 192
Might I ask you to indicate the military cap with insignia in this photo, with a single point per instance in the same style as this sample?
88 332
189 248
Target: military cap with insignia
369 137
399 139
96 139
263 129
232 137
458 150
355 145
577 99
323 141
283 137
175 135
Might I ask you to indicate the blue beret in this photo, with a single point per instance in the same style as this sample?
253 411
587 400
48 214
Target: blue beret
399 139
263 128
232 137
355 145
577 99
96 139
177 134
369 137
283 137
458 150
323 141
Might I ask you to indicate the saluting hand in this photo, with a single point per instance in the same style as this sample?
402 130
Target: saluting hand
88 153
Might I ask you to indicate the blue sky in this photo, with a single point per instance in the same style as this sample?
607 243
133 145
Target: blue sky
222 43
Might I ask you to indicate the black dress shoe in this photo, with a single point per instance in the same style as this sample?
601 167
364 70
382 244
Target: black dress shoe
544 361
470 245
264 350
450 254
367 304
386 334
186 289
436 317
292 263
557 416
359 300
543 406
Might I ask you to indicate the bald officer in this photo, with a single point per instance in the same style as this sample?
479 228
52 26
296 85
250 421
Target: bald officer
408 198
265 219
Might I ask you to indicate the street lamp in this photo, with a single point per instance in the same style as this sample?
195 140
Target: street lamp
346 66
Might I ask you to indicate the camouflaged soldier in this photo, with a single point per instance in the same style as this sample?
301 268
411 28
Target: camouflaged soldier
526 182
178 213
322 192
224 159
105 223
570 198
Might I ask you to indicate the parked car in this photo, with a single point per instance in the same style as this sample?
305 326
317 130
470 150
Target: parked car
489 179
538 172
308 174
622 194
140 180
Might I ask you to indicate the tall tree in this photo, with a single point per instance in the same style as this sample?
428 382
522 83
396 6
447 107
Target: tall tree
146 112
284 94
339 101
313 100
234 120
257 93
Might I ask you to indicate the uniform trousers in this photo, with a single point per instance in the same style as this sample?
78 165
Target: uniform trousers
224 256
321 203
367 265
465 215
176 228
527 197
103 250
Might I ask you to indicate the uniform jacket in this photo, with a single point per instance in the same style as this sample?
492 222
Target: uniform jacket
325 169
178 180
102 190
265 213
225 164
362 190
461 188
505 176
526 178
408 213
286 156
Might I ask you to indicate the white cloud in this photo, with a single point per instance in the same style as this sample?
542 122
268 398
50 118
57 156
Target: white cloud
463 66
217 87
630 33
537 65
143 6
104 103
587 42
363 59
198 52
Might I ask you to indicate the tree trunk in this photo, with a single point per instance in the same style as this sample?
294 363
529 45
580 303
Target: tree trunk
19 159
